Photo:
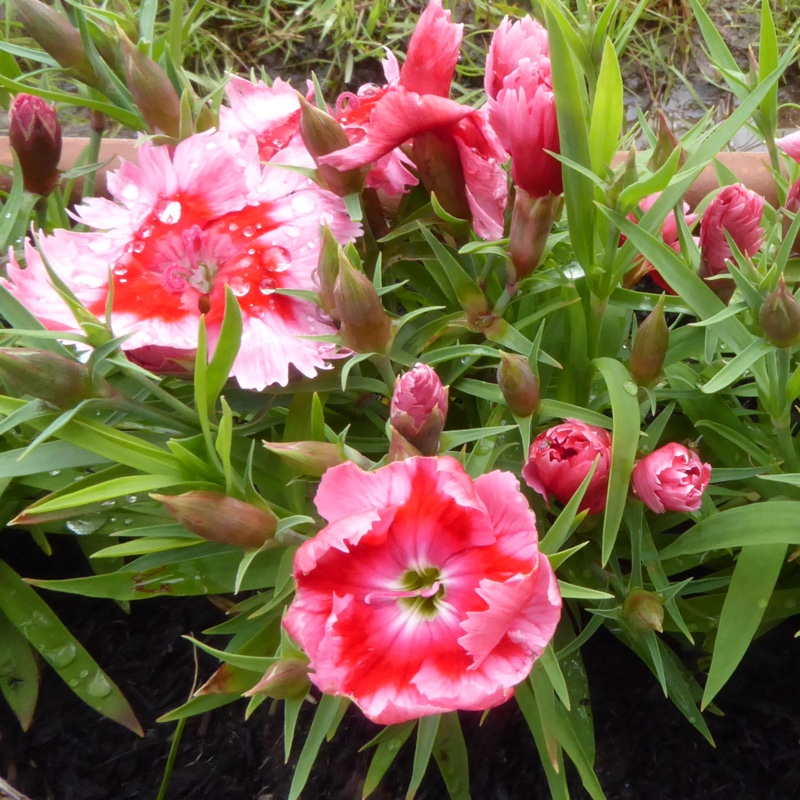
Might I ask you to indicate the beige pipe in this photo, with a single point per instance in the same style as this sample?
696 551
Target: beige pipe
752 169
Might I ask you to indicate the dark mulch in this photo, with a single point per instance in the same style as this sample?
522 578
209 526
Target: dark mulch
646 750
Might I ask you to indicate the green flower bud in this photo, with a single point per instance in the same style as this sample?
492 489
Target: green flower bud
50 377
322 135
286 679
644 611
531 223
520 387
779 317
151 89
666 144
54 33
650 346
308 458
366 327
220 518
328 272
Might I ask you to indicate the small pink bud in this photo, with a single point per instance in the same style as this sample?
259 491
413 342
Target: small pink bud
54 33
531 224
220 518
561 457
322 134
366 327
672 478
738 211
151 89
779 317
650 346
286 679
35 134
644 611
50 377
519 385
418 409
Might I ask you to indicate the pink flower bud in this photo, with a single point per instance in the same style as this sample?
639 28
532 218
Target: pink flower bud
520 387
366 327
561 457
644 611
531 223
50 377
736 210
779 317
220 518
35 134
419 408
650 346
151 89
672 478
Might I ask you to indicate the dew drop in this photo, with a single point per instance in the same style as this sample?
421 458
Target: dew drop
73 682
62 657
168 211
119 270
84 673
278 259
291 231
99 686
130 191
302 204
248 231
267 286
55 472
239 286
233 227
137 246
146 232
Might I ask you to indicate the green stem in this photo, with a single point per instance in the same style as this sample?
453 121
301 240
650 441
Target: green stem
41 213
173 755
384 366
92 157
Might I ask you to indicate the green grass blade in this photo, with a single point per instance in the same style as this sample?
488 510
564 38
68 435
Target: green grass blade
607 112
427 729
450 752
19 675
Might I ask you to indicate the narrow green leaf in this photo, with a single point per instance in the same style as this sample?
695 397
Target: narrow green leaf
737 366
571 590
19 675
607 111
427 729
326 712
450 752
389 741
769 523
753 580
34 619
226 350
625 413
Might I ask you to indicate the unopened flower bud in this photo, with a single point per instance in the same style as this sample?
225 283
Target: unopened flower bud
54 33
672 478
151 89
322 134
644 611
666 144
418 409
328 272
650 346
220 518
35 134
50 377
779 317
531 223
399 447
366 327
439 168
519 385
286 679
308 458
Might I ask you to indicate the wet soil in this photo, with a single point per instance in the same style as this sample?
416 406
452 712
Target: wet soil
645 749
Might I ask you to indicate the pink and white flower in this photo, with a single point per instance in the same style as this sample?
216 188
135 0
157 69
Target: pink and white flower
425 593
175 236
672 478
418 104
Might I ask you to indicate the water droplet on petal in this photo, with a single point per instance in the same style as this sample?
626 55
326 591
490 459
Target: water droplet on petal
291 231
233 227
277 259
146 232
302 203
267 286
239 286
168 211
248 231
119 269
130 191
137 246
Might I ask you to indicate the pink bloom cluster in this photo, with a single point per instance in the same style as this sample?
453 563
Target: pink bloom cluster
522 107
672 478
425 593
183 225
